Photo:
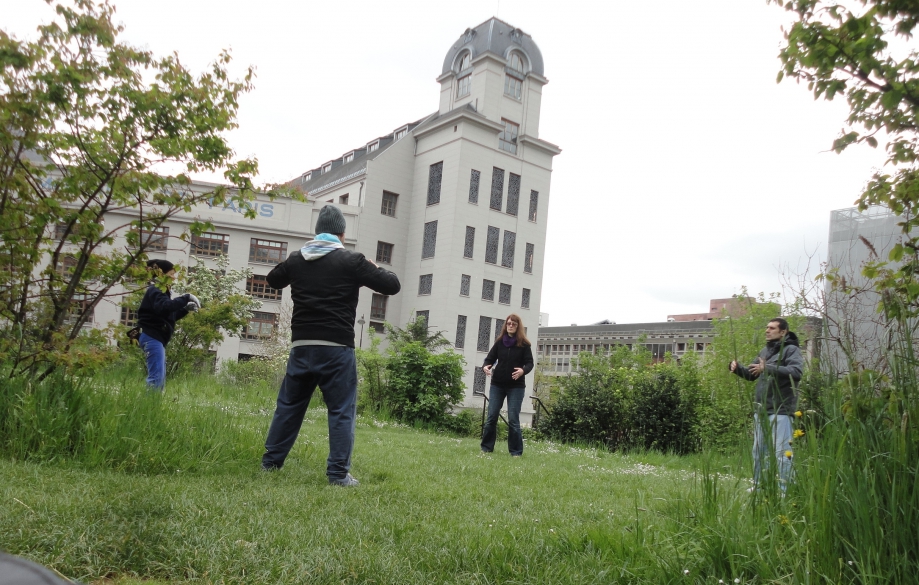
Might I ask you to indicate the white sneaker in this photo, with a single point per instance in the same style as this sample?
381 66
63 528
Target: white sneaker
346 481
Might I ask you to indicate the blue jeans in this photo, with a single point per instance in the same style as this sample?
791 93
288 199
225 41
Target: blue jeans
155 355
772 438
496 397
334 370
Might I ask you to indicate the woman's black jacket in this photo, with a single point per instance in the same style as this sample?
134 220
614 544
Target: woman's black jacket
505 359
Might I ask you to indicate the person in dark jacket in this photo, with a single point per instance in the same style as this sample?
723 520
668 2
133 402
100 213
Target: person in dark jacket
157 318
508 362
324 281
777 371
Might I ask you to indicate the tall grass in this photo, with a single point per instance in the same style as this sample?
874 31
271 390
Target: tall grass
115 422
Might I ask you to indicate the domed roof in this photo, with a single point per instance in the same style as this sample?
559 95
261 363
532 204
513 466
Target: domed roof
498 37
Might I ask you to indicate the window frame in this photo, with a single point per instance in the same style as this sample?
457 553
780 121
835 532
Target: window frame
257 287
259 317
393 198
504 137
256 244
209 251
375 305
384 254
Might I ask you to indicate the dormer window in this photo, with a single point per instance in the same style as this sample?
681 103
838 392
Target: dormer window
401 132
306 177
347 158
516 63
465 62
373 146
326 168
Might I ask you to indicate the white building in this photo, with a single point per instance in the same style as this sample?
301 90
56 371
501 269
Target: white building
455 204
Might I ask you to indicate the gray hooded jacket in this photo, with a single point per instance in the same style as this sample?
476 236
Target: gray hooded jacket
776 388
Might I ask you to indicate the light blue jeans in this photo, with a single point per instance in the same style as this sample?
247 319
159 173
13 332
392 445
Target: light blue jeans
775 436
155 354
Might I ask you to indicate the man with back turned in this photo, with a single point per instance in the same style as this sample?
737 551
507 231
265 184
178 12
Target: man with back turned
777 371
324 280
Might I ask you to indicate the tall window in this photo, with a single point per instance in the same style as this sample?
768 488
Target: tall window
422 315
507 139
507 254
80 306
469 243
435 174
389 204
497 189
60 230
384 253
260 326
525 299
465 281
528 259
267 251
488 290
257 286
512 86
534 204
513 194
460 342
65 266
483 342
504 294
210 245
378 306
425 284
491 245
463 86
155 240
429 243
474 187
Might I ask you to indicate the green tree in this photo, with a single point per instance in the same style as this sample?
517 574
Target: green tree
416 330
851 50
86 120
226 310
423 386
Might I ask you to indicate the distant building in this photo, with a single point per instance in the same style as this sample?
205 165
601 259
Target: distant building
557 346
732 307
544 319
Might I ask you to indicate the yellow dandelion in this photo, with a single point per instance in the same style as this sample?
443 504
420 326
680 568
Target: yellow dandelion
798 413
783 519
798 433
788 454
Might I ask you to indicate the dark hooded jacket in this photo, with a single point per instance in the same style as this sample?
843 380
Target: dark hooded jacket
159 312
776 388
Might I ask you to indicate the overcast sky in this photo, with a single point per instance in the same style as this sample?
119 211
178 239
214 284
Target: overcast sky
686 172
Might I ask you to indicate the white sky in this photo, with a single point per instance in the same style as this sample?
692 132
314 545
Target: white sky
686 171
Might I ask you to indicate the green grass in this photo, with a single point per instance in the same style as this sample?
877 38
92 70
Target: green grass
168 490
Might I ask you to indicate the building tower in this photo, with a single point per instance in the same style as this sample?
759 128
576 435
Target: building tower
456 203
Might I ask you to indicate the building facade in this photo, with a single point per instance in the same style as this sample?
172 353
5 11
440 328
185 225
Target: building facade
455 203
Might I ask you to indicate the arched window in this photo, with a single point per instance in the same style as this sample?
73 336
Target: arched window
516 63
465 61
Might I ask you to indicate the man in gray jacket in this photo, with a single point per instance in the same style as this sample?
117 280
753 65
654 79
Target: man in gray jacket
777 371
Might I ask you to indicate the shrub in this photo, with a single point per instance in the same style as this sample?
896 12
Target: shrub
621 401
423 386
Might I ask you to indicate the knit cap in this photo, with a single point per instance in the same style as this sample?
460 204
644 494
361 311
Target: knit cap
330 221
164 265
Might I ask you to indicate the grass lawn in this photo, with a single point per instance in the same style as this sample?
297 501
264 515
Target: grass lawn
430 509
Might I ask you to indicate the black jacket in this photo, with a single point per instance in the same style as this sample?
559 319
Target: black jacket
325 292
776 387
159 312
508 358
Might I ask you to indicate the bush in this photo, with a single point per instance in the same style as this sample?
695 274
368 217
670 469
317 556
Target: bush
465 423
621 401
423 386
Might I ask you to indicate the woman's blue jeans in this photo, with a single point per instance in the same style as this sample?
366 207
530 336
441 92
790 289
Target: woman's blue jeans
155 355
514 396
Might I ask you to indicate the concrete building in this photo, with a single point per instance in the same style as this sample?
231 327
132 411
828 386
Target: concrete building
455 203
855 331
733 307
557 346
